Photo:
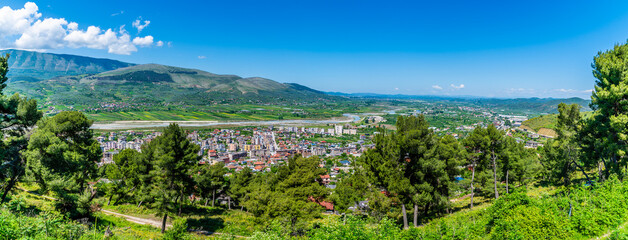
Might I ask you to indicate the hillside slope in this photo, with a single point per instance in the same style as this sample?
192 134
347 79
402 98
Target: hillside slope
546 124
542 105
148 85
185 78
514 105
36 66
543 121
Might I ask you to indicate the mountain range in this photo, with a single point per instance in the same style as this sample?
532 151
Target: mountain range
37 66
61 79
523 105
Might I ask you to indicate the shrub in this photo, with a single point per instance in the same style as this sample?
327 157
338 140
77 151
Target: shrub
178 231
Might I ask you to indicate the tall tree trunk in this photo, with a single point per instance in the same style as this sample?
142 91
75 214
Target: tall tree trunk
507 172
81 186
163 223
140 204
605 172
416 215
9 187
229 202
213 197
472 178
206 201
495 175
405 217
178 203
565 173
583 172
109 202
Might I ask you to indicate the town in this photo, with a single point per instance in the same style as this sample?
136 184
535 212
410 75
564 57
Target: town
255 148
261 148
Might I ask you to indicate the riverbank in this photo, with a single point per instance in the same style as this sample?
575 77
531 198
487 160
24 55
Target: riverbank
122 125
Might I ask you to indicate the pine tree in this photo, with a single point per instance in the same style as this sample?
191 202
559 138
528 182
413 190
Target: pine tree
239 186
17 117
174 156
123 174
605 135
453 155
218 182
476 144
562 155
62 156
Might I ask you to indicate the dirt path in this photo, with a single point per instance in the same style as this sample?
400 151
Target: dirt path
138 220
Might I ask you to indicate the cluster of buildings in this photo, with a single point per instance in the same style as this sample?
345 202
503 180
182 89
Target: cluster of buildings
337 130
117 106
255 148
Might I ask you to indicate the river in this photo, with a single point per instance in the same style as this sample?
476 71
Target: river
120 125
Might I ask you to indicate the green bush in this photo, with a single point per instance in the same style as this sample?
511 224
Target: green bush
43 226
178 231
577 212
620 234
531 222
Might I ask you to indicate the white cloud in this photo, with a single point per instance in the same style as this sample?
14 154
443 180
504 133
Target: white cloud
26 29
169 44
118 13
573 90
521 91
46 34
437 87
17 21
115 42
396 89
143 42
138 24
159 44
201 57
461 86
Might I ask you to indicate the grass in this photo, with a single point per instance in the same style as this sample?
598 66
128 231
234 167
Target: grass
133 210
200 218
34 205
544 121
123 229
548 121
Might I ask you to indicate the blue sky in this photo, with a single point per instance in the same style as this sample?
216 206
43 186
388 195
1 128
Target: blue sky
479 48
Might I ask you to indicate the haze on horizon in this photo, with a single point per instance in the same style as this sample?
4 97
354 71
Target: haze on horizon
450 48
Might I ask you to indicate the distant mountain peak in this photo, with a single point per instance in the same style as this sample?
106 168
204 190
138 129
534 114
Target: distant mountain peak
36 66
69 79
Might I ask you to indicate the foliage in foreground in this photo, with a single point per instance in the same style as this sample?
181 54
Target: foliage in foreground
584 211
579 212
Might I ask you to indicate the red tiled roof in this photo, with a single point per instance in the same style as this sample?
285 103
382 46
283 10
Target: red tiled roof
326 205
